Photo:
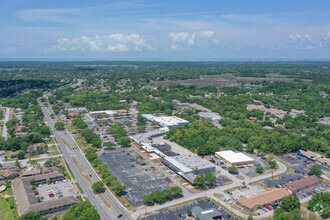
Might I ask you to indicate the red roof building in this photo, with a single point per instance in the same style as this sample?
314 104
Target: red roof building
302 183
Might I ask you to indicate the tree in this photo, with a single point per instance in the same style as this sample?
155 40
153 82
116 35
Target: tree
250 217
82 210
259 169
34 162
199 181
233 170
290 209
21 155
320 202
98 187
59 125
125 141
315 170
272 164
31 216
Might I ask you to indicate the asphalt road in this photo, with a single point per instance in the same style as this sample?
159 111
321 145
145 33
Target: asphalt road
67 154
6 118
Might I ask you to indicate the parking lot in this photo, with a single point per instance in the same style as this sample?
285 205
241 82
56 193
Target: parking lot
322 187
56 190
282 179
246 192
298 163
172 213
139 179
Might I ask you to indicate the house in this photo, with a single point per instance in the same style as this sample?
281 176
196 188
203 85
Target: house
253 118
21 134
122 111
19 127
260 200
72 114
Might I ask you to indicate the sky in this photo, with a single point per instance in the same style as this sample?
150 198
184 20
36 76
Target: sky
165 30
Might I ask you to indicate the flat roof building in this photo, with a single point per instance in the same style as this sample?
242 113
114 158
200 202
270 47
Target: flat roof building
257 201
185 164
233 158
166 121
208 214
27 201
213 116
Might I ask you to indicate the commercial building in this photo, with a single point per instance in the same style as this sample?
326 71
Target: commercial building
208 214
233 158
166 121
302 183
273 111
186 164
257 201
32 172
213 116
107 112
148 136
314 157
27 201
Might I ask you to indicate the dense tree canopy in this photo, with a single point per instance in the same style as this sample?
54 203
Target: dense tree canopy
82 211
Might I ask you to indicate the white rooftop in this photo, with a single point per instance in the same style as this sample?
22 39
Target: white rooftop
233 157
168 121
178 165
109 112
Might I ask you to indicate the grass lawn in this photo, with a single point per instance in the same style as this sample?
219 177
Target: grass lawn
8 191
53 153
6 212
79 188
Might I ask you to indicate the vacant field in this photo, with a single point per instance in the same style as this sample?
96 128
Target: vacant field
224 80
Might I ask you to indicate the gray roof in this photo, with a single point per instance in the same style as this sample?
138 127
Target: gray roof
46 176
208 214
34 171
26 199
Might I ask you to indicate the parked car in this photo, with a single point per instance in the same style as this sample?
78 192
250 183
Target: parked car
120 215
268 207
51 195
36 193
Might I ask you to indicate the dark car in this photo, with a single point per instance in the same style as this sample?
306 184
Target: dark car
90 175
119 216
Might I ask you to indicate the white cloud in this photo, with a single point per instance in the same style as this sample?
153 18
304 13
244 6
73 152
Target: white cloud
185 39
206 34
327 37
108 43
300 38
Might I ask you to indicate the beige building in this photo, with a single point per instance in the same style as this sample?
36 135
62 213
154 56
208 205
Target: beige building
260 200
